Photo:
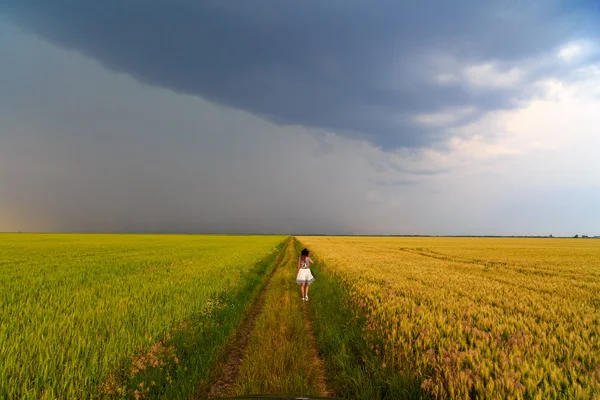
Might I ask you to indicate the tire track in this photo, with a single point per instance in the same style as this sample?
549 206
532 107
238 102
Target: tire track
227 371
280 358
274 330
321 381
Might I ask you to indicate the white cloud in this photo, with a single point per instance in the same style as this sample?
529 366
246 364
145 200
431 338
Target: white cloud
443 118
576 50
553 140
490 75
480 148
446 69
446 79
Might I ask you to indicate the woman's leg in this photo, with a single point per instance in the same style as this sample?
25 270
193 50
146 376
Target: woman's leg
302 289
306 290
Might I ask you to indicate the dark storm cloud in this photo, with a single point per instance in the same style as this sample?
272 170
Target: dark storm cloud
358 68
85 149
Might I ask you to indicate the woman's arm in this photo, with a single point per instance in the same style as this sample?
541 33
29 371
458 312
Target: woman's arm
298 264
310 260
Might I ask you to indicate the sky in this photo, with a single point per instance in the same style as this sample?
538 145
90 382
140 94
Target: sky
312 117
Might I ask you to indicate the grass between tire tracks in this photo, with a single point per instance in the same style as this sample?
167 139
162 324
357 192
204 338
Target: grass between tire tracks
280 357
227 368
353 369
170 369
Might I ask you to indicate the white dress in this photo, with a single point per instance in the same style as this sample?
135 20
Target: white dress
304 274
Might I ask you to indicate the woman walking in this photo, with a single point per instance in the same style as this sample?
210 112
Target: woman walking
304 277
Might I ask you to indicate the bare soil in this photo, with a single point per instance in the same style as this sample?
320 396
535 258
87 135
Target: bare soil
313 344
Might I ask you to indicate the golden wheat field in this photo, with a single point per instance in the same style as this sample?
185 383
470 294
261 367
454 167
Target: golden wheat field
477 318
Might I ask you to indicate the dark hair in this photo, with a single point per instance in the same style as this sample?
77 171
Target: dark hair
304 252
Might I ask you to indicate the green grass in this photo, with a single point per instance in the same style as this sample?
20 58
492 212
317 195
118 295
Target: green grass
77 308
188 358
353 369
